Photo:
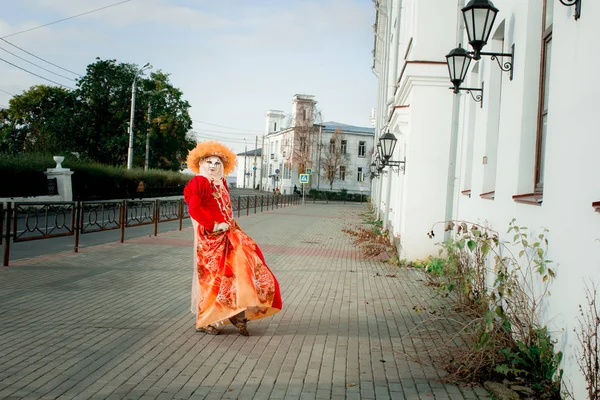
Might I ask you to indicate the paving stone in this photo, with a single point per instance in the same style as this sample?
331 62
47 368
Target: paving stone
113 322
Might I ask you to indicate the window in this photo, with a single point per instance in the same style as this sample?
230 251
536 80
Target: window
332 146
270 169
303 146
330 173
275 126
342 173
344 146
360 176
287 171
542 128
361 148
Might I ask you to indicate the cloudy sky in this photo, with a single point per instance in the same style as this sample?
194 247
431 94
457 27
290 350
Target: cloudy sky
233 59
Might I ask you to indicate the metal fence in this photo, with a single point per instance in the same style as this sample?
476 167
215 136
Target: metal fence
21 222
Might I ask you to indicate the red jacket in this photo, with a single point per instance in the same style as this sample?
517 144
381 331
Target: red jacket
202 206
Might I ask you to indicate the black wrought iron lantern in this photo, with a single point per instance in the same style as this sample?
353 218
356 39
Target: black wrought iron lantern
479 16
458 61
378 164
388 144
373 169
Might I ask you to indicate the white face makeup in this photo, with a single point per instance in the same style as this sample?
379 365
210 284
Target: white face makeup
212 167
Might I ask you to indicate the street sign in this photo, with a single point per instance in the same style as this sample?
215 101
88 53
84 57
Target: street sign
254 168
277 171
308 171
303 178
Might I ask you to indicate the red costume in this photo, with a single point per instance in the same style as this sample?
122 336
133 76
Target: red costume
230 273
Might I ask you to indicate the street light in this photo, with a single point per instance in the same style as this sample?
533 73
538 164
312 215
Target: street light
132 113
388 144
147 162
458 61
479 16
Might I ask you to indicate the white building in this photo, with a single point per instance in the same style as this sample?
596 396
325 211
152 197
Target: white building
248 169
529 151
306 145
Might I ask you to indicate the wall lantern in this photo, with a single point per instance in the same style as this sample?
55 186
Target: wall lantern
388 144
373 170
479 16
576 3
458 61
378 164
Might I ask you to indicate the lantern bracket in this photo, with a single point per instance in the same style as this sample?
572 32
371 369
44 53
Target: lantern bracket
570 3
506 66
477 98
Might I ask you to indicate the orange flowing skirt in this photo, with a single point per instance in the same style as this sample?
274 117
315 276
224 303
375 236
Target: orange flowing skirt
231 276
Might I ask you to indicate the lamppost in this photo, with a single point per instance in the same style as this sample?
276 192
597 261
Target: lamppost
147 162
132 113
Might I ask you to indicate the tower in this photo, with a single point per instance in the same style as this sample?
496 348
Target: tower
303 109
274 120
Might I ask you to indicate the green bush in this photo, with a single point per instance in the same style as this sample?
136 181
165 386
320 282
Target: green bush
24 176
342 195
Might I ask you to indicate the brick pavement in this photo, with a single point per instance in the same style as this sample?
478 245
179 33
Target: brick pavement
112 322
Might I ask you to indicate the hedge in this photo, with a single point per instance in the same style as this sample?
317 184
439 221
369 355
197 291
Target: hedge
23 176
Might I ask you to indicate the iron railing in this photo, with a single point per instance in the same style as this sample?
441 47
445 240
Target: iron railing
21 222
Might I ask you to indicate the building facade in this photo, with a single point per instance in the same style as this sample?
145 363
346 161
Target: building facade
335 155
249 169
527 151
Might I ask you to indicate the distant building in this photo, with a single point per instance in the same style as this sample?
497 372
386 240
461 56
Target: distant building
308 146
248 169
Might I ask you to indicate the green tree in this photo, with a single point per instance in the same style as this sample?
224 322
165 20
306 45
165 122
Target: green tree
168 123
42 119
93 119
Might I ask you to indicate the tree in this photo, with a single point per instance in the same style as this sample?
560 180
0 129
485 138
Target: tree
306 132
106 93
93 119
42 119
168 122
334 159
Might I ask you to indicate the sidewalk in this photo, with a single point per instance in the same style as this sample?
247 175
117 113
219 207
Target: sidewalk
113 322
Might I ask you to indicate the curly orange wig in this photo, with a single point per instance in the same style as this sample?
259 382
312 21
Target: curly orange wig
207 149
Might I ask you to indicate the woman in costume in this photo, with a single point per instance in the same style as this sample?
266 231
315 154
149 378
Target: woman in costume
231 283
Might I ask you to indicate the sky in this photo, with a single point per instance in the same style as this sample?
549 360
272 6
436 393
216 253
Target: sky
233 59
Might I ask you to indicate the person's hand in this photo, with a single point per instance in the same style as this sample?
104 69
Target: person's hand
223 226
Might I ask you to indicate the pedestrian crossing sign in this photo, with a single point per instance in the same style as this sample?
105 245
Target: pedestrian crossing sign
308 171
303 178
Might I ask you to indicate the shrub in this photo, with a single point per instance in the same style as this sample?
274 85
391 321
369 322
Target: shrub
91 181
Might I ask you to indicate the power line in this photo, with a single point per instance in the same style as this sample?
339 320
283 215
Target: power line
4 91
231 133
65 19
210 137
227 127
32 63
33 73
39 58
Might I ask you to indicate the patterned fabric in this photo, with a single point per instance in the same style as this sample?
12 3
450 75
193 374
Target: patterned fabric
230 273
